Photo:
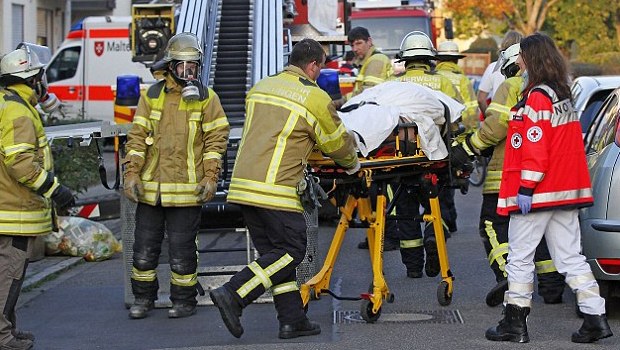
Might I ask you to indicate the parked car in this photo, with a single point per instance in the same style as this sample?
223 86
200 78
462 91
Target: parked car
588 94
600 224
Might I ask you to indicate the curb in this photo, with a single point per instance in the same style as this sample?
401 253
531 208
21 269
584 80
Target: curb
58 267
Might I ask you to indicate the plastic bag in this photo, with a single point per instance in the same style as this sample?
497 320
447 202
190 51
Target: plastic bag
82 237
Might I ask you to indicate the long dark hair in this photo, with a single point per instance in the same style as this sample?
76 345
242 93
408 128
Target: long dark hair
545 64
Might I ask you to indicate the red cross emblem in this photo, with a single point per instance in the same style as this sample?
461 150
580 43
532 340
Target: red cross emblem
99 48
534 134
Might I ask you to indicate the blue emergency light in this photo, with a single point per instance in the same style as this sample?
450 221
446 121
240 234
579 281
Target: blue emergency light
328 81
127 90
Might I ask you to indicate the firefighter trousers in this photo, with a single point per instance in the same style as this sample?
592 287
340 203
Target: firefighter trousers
14 261
493 230
280 238
560 228
181 227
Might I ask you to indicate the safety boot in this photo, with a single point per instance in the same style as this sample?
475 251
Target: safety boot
17 344
230 310
513 327
431 265
496 295
181 310
594 327
299 329
140 308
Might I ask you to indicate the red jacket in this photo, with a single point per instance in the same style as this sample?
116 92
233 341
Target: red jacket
544 155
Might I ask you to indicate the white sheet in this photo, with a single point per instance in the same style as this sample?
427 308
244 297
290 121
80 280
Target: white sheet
401 100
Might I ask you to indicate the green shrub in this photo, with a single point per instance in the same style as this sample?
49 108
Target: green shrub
75 166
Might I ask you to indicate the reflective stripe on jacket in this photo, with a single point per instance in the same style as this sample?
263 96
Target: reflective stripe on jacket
544 155
492 131
25 162
286 115
422 74
465 88
171 142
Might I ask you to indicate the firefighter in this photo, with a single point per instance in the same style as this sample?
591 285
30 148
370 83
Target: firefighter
287 115
448 55
375 67
417 51
491 138
545 181
27 182
173 161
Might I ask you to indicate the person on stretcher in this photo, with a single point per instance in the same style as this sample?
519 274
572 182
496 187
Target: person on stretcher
373 115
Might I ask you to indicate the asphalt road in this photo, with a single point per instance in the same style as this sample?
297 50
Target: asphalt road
84 308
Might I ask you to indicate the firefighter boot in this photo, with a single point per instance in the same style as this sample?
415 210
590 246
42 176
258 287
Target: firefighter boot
513 327
594 327
140 308
496 295
17 344
299 329
181 310
230 310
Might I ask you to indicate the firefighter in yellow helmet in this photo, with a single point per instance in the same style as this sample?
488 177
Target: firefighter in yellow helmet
448 55
490 139
418 52
172 164
27 182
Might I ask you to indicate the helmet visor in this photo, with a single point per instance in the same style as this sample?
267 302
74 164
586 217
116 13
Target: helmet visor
37 55
186 70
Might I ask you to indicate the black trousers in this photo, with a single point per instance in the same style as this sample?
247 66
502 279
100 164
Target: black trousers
493 230
181 225
280 238
406 229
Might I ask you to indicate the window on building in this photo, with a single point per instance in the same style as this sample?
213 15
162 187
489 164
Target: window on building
17 12
44 27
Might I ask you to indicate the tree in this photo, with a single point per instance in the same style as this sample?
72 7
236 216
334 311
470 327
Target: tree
472 16
590 27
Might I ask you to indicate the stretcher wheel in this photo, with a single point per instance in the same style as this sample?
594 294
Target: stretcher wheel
314 295
367 313
443 296
390 298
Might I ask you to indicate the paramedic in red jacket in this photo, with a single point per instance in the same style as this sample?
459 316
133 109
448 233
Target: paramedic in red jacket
545 180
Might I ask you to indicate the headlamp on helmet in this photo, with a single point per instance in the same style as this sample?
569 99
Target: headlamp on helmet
507 62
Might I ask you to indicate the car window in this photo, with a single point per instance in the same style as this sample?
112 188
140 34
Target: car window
603 129
64 65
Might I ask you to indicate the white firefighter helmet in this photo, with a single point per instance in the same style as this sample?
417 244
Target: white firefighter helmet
448 50
416 45
25 61
183 47
508 58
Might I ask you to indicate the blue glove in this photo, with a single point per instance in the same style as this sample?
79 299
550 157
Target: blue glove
525 203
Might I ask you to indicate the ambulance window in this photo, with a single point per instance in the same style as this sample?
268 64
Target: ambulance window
64 65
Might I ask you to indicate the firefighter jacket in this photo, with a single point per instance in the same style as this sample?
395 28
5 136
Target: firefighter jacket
463 85
544 155
492 131
422 74
26 165
174 144
375 69
286 115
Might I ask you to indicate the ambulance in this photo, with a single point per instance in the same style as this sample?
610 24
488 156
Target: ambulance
83 72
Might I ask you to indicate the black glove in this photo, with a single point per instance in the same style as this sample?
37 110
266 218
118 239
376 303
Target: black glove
459 157
62 197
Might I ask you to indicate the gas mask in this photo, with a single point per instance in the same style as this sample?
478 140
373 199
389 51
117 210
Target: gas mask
48 102
187 74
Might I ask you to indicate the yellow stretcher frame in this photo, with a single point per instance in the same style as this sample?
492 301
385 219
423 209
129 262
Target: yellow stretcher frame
379 170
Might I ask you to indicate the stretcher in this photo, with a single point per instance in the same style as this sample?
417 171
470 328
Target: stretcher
396 161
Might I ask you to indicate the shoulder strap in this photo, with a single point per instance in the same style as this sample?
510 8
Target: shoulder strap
155 90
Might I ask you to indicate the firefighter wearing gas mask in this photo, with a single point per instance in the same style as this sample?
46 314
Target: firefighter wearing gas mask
173 159
490 139
27 182
419 251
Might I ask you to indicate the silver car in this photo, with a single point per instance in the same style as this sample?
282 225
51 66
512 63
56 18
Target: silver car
589 92
600 224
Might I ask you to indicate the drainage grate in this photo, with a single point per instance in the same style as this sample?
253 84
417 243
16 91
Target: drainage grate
426 316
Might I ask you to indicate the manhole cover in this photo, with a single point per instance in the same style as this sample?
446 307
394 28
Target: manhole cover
427 316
